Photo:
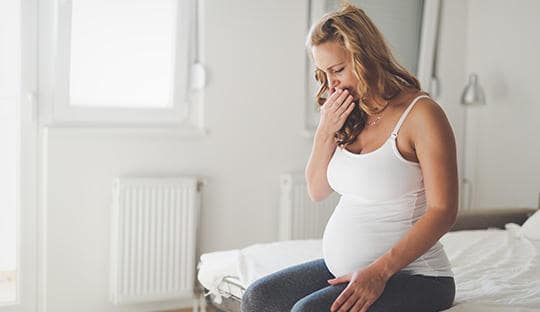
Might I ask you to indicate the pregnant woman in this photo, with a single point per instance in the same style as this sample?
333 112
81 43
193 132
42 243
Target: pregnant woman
388 149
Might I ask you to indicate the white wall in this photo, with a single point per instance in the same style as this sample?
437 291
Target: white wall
451 65
503 47
254 112
498 40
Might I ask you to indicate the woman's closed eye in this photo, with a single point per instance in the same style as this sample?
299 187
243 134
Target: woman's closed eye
339 70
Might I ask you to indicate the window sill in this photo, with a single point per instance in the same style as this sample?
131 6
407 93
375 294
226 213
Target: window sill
139 129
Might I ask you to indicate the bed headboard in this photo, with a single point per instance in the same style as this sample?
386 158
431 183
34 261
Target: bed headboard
494 217
300 218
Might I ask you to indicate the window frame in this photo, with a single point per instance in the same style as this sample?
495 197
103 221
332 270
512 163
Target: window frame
186 111
28 242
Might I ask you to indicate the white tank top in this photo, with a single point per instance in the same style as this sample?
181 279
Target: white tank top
382 196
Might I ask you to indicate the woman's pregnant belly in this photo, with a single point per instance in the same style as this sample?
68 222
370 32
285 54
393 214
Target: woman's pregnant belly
356 235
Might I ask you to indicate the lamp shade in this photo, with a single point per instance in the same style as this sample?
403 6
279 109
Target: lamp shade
473 93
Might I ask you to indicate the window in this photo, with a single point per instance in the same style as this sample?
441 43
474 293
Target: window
121 62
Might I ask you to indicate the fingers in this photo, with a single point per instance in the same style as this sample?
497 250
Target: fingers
358 305
337 103
332 98
343 297
335 99
346 107
333 114
365 306
341 279
346 306
362 304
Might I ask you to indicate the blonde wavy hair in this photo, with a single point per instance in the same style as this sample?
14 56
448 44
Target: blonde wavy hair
379 75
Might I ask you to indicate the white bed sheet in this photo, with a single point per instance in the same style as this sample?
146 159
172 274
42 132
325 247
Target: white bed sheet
495 270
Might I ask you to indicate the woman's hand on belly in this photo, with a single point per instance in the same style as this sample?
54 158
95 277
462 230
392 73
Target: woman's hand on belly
365 286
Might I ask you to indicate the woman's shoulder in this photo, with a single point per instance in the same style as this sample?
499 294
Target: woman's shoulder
428 122
424 105
426 116
426 110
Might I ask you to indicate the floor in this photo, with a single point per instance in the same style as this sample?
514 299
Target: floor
7 290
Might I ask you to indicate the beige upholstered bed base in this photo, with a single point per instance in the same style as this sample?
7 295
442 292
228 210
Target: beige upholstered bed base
495 217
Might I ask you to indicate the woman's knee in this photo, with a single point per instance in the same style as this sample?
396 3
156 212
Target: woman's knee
259 296
306 305
280 290
253 297
319 301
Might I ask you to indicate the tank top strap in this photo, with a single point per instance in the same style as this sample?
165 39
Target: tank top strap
405 113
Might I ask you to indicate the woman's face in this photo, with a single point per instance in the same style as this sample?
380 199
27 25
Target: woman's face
334 61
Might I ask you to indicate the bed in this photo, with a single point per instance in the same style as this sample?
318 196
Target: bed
496 266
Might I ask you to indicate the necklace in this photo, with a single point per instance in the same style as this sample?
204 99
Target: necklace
373 122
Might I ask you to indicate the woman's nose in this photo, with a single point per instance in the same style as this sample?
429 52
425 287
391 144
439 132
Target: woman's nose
333 83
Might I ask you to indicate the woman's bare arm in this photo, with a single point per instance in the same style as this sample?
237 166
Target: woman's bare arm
323 148
435 147
333 115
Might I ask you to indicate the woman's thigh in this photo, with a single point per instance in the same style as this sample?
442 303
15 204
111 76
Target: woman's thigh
319 301
403 292
279 291
406 292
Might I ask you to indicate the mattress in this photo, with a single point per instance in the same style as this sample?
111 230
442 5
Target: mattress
494 269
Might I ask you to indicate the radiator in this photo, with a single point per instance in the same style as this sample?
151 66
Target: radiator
153 247
299 217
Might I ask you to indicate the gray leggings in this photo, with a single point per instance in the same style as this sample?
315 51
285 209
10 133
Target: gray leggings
304 287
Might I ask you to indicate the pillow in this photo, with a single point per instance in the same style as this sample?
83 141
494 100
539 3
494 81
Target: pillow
531 227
